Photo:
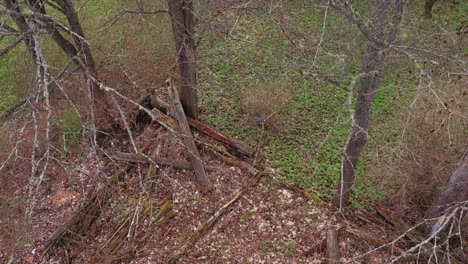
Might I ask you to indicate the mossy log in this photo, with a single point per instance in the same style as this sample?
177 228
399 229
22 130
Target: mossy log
201 230
229 159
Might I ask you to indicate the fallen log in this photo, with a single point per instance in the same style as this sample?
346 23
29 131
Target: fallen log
239 146
195 159
201 230
136 158
207 130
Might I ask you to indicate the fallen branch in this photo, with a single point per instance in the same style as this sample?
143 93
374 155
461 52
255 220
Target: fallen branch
207 130
416 237
195 159
135 158
239 146
201 230
83 219
162 216
229 159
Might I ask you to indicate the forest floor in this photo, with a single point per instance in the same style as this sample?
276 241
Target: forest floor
272 223
254 60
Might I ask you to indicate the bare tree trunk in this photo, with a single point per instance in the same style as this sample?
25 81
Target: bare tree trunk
63 43
80 52
100 101
181 12
454 193
428 5
372 69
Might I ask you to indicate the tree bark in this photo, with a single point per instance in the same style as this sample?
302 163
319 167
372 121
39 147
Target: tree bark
373 70
428 5
181 12
454 193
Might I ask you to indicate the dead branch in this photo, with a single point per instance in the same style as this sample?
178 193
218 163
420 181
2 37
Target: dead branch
229 159
202 178
82 220
237 145
162 216
412 234
136 158
201 230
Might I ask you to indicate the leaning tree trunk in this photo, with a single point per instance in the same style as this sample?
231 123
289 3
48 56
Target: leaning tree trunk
23 26
181 12
452 195
67 46
428 5
100 101
372 69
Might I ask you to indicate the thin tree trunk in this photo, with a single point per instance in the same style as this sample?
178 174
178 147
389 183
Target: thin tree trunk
454 193
181 12
373 68
428 5
23 26
63 43
79 53
86 61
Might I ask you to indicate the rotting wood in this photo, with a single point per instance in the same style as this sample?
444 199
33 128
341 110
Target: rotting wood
133 112
82 220
198 168
239 146
136 158
333 248
416 237
202 229
207 130
163 118
229 159
164 213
